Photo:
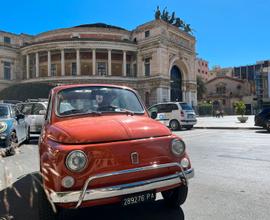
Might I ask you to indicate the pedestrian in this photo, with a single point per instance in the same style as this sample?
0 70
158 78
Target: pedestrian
217 113
221 113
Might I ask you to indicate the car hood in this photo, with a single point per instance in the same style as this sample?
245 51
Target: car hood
106 129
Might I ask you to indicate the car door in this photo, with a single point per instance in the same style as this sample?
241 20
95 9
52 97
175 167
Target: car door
37 117
26 109
20 124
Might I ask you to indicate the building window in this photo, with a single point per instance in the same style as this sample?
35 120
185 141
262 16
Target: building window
128 70
101 69
147 34
7 71
147 67
221 90
53 70
7 40
134 70
73 69
199 70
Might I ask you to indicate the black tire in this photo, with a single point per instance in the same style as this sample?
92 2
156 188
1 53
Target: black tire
189 127
174 125
45 208
268 126
12 144
175 197
27 140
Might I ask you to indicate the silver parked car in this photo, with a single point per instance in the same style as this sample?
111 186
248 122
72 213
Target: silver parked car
34 111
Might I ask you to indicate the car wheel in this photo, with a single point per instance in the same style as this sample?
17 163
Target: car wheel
13 143
175 197
45 208
268 126
174 125
189 127
27 140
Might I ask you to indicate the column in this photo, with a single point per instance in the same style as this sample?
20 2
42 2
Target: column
37 65
94 62
62 62
124 63
78 62
27 67
49 63
137 65
109 62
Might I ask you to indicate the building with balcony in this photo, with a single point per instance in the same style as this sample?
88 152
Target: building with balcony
224 91
156 58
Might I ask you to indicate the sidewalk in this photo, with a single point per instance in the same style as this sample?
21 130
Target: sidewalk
227 122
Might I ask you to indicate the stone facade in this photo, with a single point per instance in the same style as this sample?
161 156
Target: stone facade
224 91
142 59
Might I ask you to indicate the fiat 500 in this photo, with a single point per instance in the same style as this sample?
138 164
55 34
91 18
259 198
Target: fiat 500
99 146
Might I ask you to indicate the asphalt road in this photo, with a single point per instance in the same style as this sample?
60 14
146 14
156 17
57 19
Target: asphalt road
231 181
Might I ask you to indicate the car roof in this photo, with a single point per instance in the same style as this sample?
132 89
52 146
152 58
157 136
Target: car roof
62 87
169 103
6 104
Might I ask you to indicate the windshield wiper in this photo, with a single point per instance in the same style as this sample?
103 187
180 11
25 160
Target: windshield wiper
94 113
128 112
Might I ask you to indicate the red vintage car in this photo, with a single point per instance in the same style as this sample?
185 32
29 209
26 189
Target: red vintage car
100 146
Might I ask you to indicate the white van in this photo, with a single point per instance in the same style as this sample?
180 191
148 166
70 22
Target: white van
175 115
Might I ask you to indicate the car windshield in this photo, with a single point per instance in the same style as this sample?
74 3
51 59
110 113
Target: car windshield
98 99
4 111
186 106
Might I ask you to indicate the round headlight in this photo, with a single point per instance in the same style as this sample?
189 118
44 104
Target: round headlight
3 126
76 160
178 147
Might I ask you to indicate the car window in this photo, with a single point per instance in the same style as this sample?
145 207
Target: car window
37 107
49 109
153 109
165 108
85 100
185 106
27 109
4 111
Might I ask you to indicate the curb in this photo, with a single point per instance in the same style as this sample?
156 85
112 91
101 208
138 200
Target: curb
232 128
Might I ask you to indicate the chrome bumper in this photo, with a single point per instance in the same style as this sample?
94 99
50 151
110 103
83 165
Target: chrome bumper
123 189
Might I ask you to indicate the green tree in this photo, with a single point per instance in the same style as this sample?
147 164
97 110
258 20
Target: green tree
240 108
201 89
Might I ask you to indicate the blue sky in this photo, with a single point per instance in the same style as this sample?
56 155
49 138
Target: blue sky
228 32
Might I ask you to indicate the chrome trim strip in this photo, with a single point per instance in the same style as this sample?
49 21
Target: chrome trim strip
123 189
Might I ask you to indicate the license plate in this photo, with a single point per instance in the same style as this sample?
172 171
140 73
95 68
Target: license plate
190 116
139 198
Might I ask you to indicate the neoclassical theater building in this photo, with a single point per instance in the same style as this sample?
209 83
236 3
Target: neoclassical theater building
157 59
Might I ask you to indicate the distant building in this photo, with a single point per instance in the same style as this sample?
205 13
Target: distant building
217 71
258 76
224 91
202 69
156 58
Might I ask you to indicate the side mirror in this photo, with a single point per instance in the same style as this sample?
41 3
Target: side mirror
20 116
42 112
154 115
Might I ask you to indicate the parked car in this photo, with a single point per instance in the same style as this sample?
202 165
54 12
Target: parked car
34 111
175 115
13 129
262 119
99 146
